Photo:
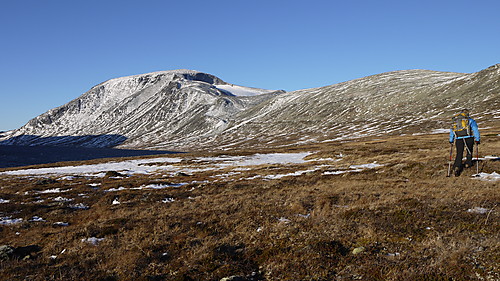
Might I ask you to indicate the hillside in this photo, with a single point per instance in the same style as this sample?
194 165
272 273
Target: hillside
140 111
189 110
394 103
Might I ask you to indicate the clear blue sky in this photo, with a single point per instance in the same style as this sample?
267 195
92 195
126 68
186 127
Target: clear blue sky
52 51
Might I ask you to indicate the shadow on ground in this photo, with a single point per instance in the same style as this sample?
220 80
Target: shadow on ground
33 150
93 141
16 156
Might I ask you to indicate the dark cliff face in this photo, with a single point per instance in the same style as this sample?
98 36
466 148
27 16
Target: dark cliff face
203 77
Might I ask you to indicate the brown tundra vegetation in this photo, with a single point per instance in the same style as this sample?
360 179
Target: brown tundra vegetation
327 218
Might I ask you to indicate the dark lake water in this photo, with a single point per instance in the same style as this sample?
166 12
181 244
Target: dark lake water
16 156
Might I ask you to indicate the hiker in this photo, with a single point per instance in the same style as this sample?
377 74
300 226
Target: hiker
464 133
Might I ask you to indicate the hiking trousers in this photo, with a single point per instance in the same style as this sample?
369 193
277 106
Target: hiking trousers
461 145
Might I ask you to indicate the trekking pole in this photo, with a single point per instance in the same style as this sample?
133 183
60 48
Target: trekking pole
477 159
449 162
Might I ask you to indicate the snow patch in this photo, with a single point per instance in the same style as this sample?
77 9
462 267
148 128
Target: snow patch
68 178
284 220
336 172
62 199
488 177
354 169
54 190
37 219
297 173
366 166
304 216
149 166
79 206
132 166
159 186
115 189
478 210
92 240
273 158
9 221
168 200
242 91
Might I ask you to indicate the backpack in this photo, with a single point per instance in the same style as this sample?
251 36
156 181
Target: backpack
461 125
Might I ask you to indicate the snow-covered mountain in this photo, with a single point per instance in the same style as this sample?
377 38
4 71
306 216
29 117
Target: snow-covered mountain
168 108
186 110
400 102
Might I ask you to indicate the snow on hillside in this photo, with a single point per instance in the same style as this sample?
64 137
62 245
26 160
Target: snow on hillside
242 91
393 103
157 109
190 110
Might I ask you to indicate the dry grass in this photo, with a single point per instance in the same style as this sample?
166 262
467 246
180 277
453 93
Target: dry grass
410 218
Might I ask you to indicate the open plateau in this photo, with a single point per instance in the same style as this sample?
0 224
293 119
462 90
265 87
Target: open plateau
342 182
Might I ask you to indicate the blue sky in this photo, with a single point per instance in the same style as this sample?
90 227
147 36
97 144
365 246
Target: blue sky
52 51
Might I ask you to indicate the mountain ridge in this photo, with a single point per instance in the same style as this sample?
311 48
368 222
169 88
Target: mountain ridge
187 109
374 105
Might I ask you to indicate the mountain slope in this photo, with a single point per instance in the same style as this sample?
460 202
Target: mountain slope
161 107
400 102
189 110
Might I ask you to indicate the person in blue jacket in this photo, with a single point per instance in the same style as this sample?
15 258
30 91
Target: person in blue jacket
466 140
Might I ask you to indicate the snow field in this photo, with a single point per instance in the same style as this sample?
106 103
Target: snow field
164 164
155 165
173 165
231 168
235 164
488 177
242 91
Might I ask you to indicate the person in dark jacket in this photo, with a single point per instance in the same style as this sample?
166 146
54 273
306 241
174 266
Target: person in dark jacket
464 139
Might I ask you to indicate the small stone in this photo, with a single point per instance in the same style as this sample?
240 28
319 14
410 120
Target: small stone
45 181
358 250
93 240
113 174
